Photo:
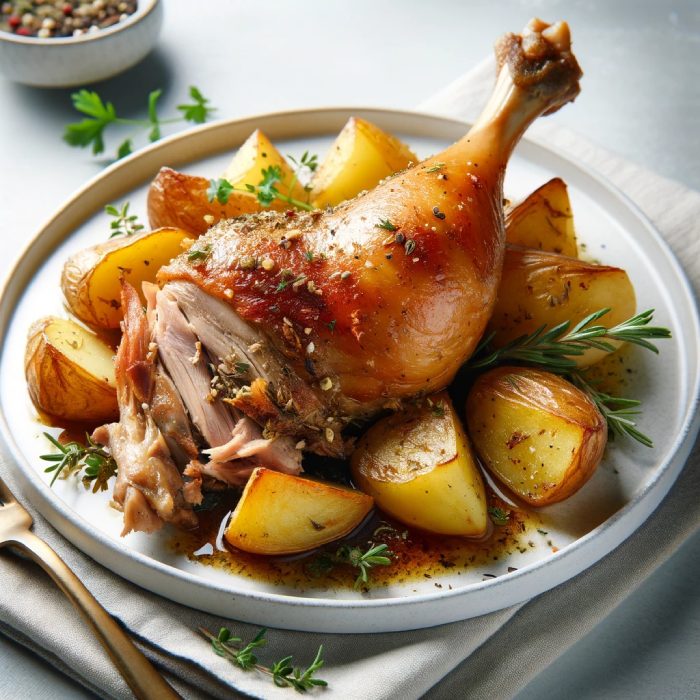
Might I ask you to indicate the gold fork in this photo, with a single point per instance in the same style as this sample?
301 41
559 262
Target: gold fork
136 669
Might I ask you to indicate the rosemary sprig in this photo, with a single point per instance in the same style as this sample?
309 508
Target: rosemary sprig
617 411
553 349
100 115
266 190
123 223
98 465
282 672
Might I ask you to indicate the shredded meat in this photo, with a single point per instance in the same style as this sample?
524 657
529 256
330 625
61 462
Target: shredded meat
149 486
177 346
247 443
170 416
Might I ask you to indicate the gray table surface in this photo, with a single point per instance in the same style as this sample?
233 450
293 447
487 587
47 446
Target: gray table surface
641 99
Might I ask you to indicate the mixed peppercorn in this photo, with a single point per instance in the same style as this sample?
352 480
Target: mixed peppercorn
59 18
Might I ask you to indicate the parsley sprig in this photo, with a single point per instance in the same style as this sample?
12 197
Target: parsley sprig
282 672
97 464
123 223
100 115
554 350
266 190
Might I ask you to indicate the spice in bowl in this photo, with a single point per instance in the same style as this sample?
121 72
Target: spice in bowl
62 18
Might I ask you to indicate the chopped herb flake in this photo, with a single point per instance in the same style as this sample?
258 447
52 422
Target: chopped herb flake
386 225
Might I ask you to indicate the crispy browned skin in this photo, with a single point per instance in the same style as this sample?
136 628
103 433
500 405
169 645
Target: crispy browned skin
391 313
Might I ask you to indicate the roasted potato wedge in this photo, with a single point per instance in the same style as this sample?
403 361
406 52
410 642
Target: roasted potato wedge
70 372
284 514
418 467
539 288
91 279
181 201
258 154
544 221
535 432
359 158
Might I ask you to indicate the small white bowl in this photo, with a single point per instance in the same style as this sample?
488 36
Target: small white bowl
80 60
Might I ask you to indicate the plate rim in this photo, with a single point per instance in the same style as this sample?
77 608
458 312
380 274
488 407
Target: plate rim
76 529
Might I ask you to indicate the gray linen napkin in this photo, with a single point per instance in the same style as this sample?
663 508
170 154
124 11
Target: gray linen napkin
492 656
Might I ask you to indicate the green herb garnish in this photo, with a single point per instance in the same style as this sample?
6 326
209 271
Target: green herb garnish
97 464
101 114
386 225
123 224
307 160
376 555
554 349
266 190
220 190
197 112
199 253
282 672
617 411
498 515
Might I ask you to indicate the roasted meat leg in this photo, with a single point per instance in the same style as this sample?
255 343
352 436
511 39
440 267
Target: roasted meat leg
276 330
384 297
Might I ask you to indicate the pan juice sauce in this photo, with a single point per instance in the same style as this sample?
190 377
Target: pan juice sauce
416 555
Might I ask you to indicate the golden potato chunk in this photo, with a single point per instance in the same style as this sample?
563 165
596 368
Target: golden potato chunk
360 157
178 200
70 372
284 514
91 279
544 220
539 288
418 467
535 432
258 154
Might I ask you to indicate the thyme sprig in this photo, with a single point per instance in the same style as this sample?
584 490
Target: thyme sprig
554 349
282 672
97 464
266 190
100 115
364 561
123 223
376 555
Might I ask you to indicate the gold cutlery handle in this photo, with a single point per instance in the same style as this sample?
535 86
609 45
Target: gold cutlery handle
143 679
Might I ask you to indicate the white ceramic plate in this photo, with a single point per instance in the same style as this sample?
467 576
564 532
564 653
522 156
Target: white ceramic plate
624 491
